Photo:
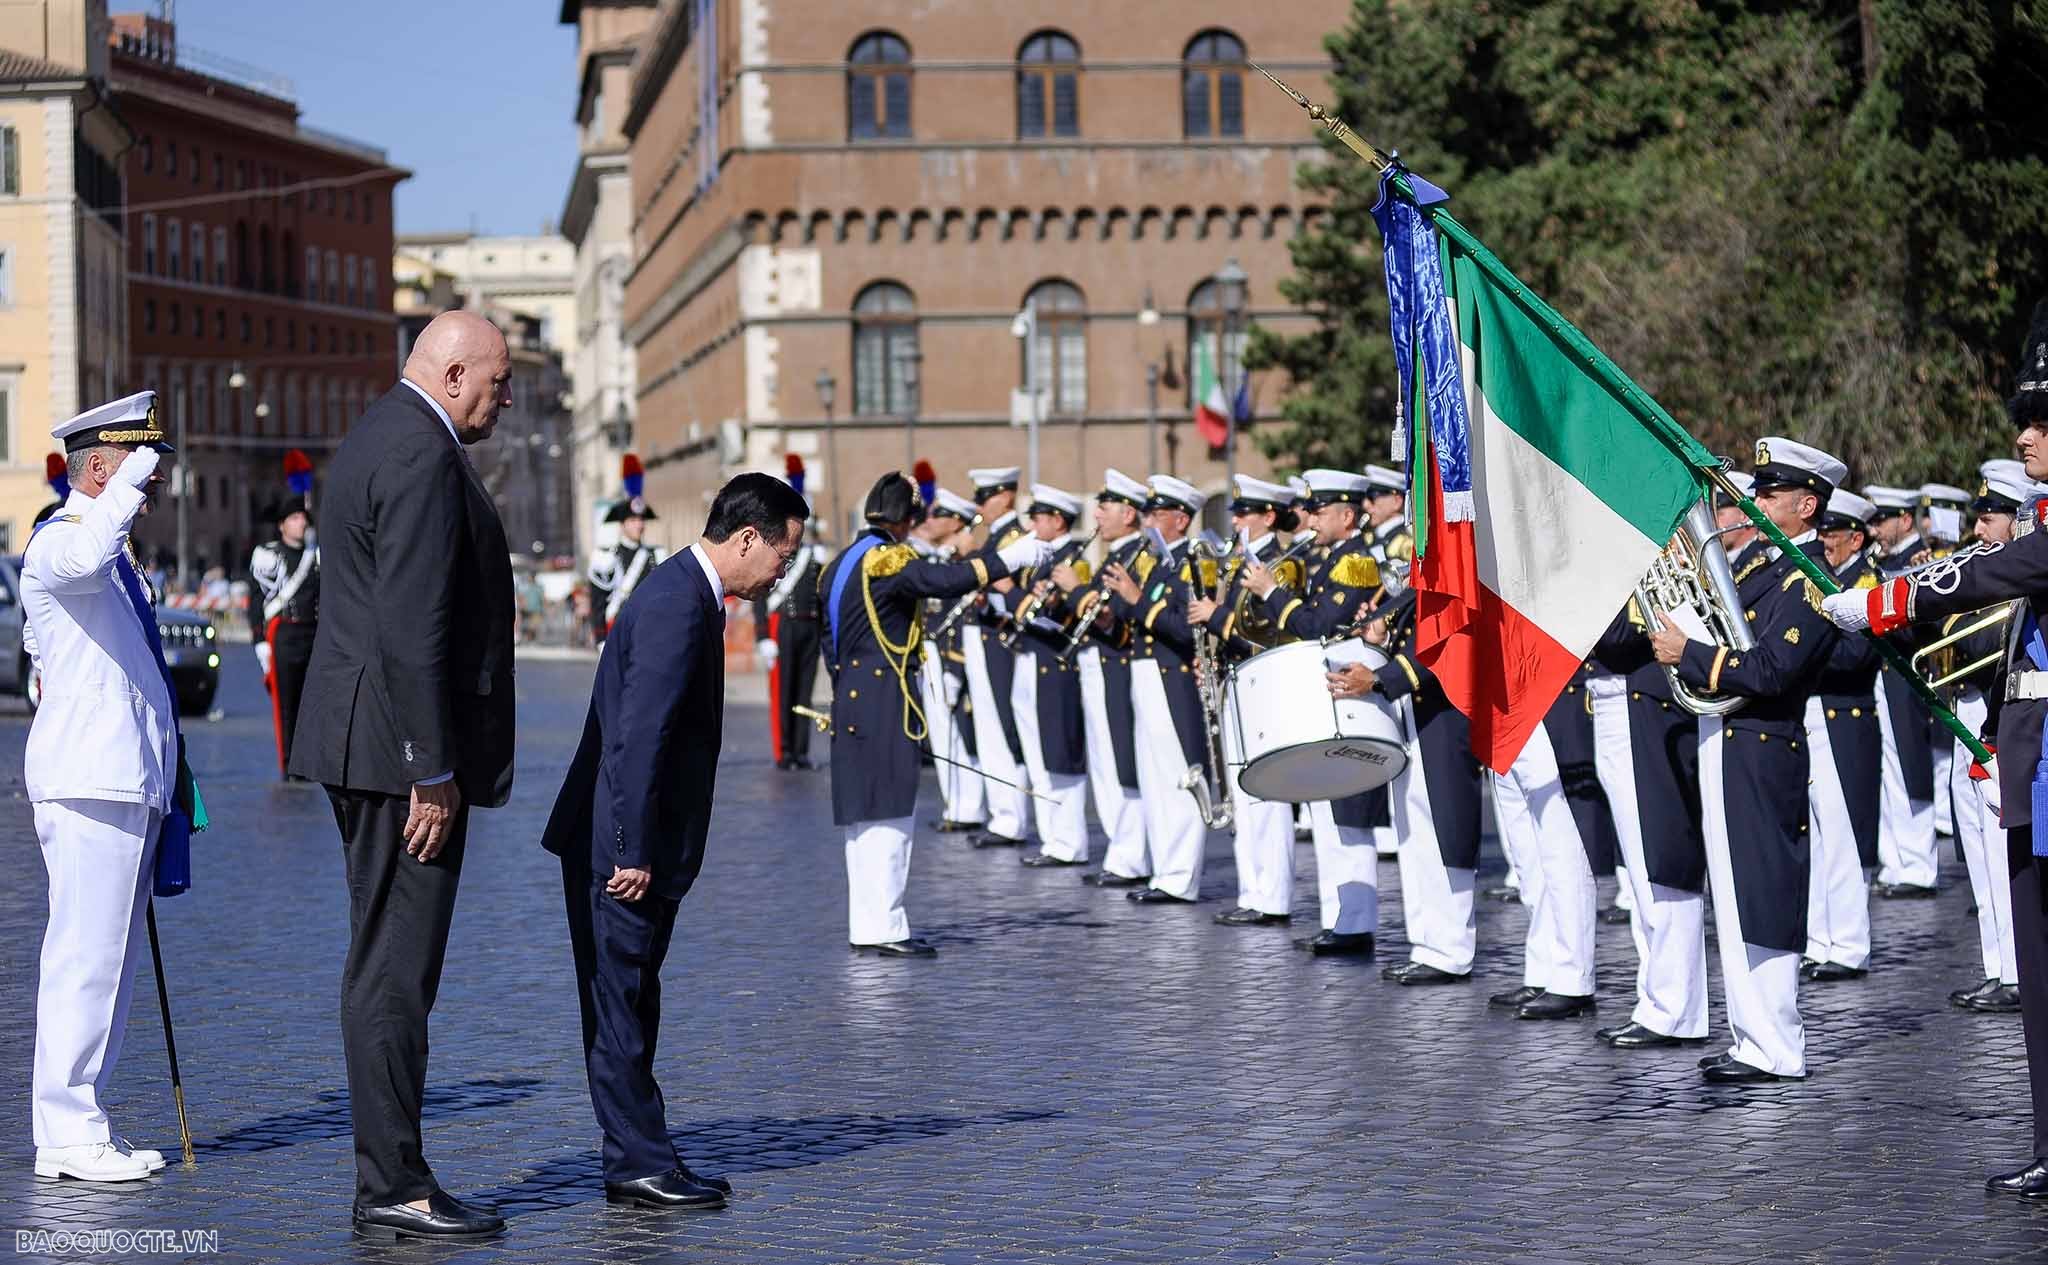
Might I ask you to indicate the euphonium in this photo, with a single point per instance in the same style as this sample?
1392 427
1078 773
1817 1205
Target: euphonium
1212 799
1693 571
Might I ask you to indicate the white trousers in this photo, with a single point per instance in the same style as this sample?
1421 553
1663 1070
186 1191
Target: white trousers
1983 843
1436 900
1262 840
1837 897
1061 804
959 785
1762 985
1117 807
1624 896
1946 803
100 856
1557 880
877 870
1173 821
1668 924
1905 826
1006 804
1347 872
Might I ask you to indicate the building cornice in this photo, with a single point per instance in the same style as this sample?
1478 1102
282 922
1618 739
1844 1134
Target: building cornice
660 52
591 167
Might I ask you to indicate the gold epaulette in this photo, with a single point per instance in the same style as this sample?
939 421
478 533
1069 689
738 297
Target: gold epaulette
886 560
1866 581
1812 593
1402 546
1355 571
1289 575
1761 559
1146 562
1081 569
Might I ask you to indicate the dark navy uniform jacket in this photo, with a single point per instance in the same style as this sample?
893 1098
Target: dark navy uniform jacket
875 705
1114 654
1002 664
1664 756
1062 726
1847 687
1912 724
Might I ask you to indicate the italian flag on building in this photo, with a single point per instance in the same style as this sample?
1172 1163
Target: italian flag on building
1212 411
1547 500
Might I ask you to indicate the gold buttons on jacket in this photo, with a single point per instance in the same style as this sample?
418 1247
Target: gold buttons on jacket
853 693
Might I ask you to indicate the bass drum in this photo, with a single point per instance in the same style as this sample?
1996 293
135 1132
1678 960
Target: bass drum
1298 745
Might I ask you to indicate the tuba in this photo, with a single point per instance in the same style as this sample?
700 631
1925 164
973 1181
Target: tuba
1212 795
1693 572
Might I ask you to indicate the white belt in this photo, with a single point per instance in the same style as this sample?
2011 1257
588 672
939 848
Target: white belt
2025 685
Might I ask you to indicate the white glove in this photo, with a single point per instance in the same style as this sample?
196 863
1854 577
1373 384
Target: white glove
1022 554
263 656
1848 610
136 467
1987 788
767 651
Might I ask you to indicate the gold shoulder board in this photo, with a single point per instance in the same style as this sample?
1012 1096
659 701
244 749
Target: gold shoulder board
1146 562
1402 547
1289 575
1355 571
1866 581
886 560
1081 570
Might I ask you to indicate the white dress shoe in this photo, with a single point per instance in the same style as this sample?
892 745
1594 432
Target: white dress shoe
97 1162
155 1159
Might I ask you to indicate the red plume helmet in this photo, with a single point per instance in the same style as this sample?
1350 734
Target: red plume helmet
793 471
633 475
298 472
58 473
927 480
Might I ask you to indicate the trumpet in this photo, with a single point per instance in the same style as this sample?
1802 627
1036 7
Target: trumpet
1941 662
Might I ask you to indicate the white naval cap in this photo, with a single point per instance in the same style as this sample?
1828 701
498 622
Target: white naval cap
2005 487
1118 486
990 480
1171 493
1384 480
1047 499
1787 463
128 420
1254 495
956 506
1891 500
1299 486
1944 494
1846 509
1335 487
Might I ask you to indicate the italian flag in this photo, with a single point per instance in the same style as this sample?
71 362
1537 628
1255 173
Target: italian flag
1571 498
1212 411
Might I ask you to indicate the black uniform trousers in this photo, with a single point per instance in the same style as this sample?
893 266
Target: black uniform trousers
797 643
399 912
2030 948
619 948
291 651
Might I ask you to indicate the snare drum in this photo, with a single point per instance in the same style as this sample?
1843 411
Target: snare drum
1295 742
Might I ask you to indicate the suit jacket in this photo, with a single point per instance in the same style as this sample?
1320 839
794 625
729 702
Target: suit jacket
638 793
107 727
411 675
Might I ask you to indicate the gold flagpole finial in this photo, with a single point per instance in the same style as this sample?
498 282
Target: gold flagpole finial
1331 122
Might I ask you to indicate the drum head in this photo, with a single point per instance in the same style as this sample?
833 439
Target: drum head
1328 768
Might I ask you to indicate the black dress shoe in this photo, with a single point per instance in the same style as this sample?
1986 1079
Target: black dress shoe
1832 972
1555 1006
1736 1073
718 1184
1409 974
1906 891
1252 918
1503 893
990 839
444 1218
1614 916
2003 1000
947 826
1514 997
672 1191
1105 879
1634 1036
1806 966
1716 1060
2030 1182
1046 861
1962 997
1153 896
912 948
1348 944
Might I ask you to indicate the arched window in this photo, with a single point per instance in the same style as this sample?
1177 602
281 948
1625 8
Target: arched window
1217 339
884 341
1048 86
1058 347
1212 85
878 88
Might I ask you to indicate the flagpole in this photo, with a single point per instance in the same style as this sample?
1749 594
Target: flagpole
1637 401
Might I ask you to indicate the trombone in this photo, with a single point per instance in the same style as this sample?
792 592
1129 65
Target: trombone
1940 662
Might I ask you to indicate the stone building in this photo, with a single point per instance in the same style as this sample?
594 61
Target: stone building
840 211
532 274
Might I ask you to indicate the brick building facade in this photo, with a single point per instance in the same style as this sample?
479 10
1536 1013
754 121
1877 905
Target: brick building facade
867 194
259 292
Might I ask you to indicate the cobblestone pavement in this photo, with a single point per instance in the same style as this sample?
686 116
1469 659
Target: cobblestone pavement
1074 1079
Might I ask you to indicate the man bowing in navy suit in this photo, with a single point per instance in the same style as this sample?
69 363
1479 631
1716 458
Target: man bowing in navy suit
630 821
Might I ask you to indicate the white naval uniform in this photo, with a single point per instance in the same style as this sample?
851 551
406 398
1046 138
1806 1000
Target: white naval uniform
1118 807
100 770
1837 894
1061 803
1174 830
1906 848
1983 844
1437 904
1263 835
1557 879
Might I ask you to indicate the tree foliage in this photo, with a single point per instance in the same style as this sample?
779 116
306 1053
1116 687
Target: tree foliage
1822 220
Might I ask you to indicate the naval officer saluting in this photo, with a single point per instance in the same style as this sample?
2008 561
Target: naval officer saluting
104 777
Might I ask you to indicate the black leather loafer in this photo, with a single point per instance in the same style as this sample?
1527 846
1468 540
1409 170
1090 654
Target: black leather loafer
1906 891
2003 1000
672 1191
1962 997
1106 879
1514 997
444 1218
1153 896
947 826
1411 974
1044 861
2030 1182
1732 1072
1834 972
718 1184
1338 944
1614 916
1634 1036
989 839
1503 894
1251 918
912 948
1556 1006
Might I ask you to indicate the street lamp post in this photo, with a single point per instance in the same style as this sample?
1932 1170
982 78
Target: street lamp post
1230 284
828 390
911 359
237 382
1148 316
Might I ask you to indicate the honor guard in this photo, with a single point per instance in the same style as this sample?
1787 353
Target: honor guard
1907 856
788 617
1754 769
1847 749
991 671
1150 607
1972 580
284 613
874 604
1262 831
1341 579
617 571
942 672
106 779
1045 694
1104 668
